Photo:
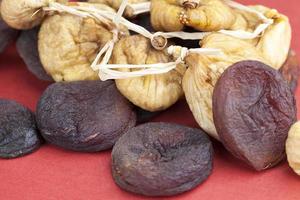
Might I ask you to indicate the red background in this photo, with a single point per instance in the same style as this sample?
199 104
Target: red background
55 174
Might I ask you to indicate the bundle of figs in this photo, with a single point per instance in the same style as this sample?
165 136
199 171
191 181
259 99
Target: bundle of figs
242 97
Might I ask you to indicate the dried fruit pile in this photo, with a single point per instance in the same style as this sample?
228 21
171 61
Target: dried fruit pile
232 63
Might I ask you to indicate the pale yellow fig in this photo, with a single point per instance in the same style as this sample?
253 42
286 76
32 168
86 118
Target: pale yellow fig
24 14
276 40
68 45
293 147
151 92
116 4
204 71
204 15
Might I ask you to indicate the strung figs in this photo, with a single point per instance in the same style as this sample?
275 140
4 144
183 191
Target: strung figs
204 15
27 47
253 109
18 133
151 92
117 3
271 48
161 159
84 116
276 40
68 45
24 14
204 71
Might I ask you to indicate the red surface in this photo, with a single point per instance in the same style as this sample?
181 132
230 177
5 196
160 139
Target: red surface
55 174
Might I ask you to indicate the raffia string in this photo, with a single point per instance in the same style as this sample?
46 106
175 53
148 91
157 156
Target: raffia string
235 33
107 71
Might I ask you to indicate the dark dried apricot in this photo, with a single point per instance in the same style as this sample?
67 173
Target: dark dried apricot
18 132
84 115
7 35
253 109
161 159
28 50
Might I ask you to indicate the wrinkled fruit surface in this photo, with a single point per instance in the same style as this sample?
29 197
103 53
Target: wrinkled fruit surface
7 35
84 116
161 159
253 109
28 50
18 132
291 70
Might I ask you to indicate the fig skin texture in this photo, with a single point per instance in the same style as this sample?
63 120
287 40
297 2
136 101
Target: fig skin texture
161 159
86 116
253 109
18 132
7 35
27 47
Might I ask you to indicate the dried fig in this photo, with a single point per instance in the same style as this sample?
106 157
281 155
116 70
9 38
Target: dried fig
152 92
204 71
253 109
84 115
204 15
291 70
18 132
293 147
24 14
117 3
161 159
27 47
276 41
68 45
7 35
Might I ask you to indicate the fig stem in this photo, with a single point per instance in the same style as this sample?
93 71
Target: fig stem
190 4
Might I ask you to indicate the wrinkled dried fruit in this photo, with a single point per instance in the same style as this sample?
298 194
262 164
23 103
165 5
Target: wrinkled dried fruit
291 70
7 35
204 71
28 50
276 40
293 147
18 132
253 109
84 115
208 15
152 92
24 14
68 45
161 159
117 3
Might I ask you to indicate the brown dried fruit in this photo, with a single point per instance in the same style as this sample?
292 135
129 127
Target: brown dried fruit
27 48
204 71
291 70
18 132
161 159
68 45
253 109
152 92
84 116
24 14
208 15
7 35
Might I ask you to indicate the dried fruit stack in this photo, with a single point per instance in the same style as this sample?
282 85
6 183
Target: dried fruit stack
238 79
